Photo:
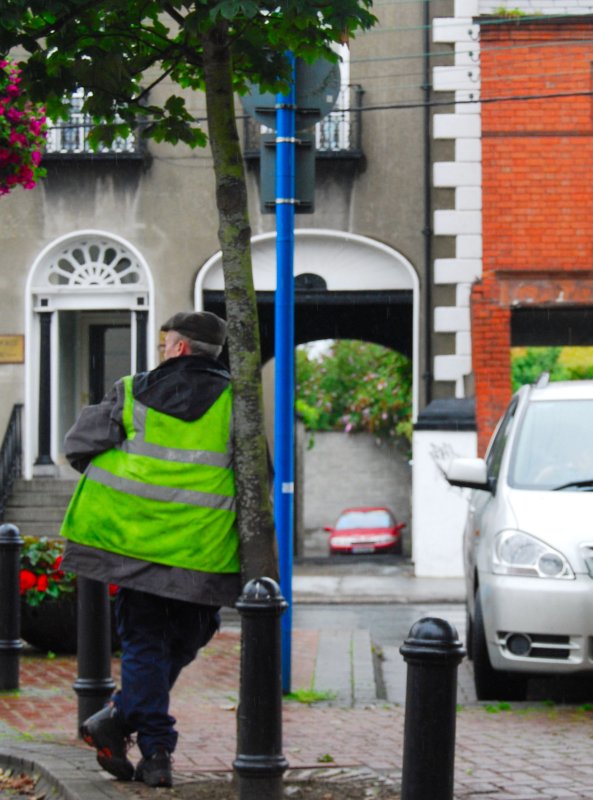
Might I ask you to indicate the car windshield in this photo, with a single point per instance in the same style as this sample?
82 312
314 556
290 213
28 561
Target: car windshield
554 448
377 518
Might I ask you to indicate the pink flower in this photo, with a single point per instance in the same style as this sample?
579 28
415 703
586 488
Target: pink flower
13 115
22 133
26 174
17 138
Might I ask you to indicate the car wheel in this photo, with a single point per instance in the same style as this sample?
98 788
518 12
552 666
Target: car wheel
491 684
398 548
469 625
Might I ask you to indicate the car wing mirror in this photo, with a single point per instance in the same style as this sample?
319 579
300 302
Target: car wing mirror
469 473
327 528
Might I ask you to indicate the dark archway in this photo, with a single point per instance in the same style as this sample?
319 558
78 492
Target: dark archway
382 317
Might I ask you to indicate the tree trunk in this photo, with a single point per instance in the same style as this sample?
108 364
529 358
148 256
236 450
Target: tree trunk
256 524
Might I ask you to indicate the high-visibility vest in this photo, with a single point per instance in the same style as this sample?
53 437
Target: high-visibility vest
166 494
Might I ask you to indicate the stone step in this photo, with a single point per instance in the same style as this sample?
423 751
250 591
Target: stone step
38 529
48 514
20 499
37 507
54 486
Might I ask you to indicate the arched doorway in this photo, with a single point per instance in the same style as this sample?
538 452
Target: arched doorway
347 286
88 312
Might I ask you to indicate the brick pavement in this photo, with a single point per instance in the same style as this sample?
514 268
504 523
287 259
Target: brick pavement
534 751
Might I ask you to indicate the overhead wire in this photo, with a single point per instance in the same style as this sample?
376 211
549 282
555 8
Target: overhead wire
479 22
469 101
452 53
400 81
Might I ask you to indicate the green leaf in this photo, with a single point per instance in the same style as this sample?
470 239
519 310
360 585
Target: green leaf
355 386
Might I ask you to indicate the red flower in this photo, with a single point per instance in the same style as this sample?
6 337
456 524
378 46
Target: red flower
42 583
27 581
57 573
113 589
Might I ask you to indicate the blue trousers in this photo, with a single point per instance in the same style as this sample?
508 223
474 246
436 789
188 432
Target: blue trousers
159 637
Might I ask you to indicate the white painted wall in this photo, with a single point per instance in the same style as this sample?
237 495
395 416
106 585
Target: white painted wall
438 509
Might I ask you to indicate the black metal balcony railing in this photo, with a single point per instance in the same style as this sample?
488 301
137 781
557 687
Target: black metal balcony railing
10 456
70 137
338 135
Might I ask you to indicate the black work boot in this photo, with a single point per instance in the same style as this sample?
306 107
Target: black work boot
106 732
155 770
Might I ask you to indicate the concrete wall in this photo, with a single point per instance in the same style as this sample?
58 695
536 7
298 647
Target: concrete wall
342 470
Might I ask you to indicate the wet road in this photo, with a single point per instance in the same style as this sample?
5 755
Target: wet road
389 624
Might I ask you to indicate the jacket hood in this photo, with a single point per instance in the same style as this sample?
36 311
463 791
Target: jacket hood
184 387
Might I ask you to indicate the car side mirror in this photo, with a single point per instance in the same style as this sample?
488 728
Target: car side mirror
327 528
469 473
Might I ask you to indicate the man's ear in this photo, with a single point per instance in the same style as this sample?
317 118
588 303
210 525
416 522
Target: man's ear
185 349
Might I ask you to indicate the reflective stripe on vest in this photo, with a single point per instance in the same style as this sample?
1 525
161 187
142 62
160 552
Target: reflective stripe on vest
107 468
165 493
141 447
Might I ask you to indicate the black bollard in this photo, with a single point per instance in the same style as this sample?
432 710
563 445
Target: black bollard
94 684
259 765
10 607
432 652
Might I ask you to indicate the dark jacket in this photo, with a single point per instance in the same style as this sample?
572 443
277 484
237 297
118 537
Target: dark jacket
185 388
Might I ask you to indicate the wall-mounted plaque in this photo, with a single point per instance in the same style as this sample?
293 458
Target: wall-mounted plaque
12 348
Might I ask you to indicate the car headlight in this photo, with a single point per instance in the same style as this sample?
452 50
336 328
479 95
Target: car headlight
341 541
518 553
383 538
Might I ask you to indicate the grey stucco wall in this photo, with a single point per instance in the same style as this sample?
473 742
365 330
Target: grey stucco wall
166 208
342 470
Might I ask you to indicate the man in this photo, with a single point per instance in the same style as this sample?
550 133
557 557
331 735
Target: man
154 513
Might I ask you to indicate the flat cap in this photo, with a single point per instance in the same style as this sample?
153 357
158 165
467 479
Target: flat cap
201 326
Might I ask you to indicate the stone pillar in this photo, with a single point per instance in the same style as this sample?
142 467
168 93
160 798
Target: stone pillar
141 323
44 458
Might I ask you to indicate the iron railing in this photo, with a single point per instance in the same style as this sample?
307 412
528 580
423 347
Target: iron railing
70 137
11 456
338 135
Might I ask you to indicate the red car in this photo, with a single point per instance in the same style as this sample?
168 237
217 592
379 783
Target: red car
368 529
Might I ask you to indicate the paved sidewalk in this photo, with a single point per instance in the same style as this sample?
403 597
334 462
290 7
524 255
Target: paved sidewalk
327 581
530 751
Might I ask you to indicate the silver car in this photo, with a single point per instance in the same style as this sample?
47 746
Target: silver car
528 541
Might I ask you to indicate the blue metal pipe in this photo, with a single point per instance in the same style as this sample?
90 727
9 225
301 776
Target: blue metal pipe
284 353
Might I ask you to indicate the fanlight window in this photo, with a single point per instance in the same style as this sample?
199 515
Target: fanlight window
94 262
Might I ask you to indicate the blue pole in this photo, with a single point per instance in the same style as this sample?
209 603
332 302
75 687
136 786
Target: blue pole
284 353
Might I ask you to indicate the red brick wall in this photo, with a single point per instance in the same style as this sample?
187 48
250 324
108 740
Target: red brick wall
537 187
